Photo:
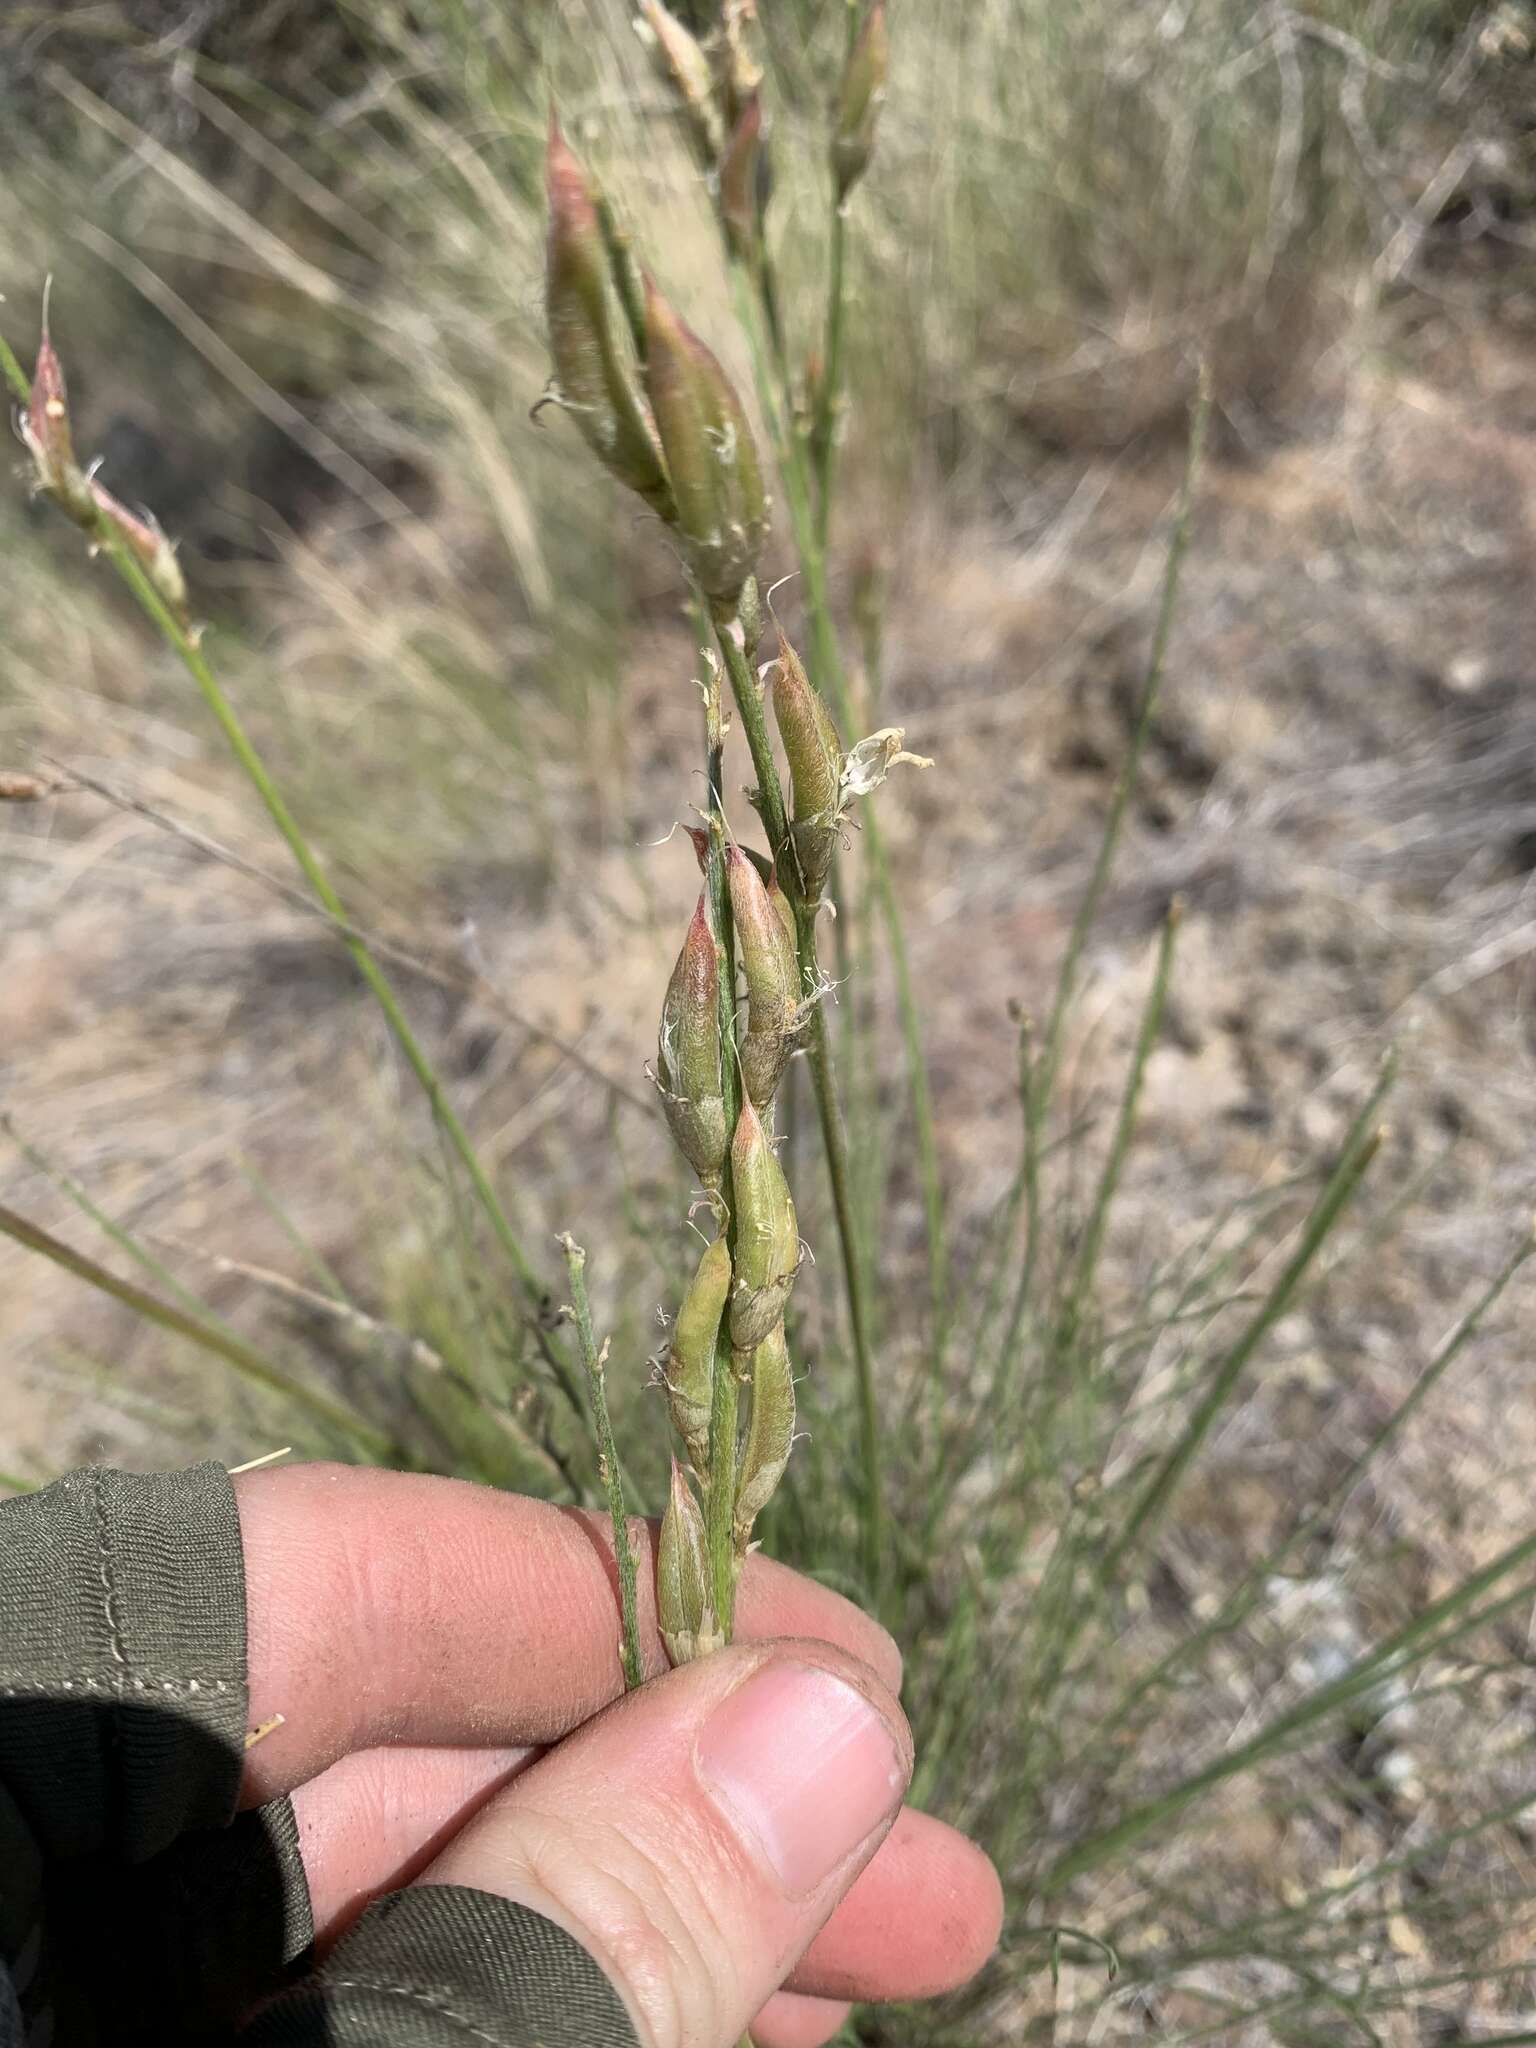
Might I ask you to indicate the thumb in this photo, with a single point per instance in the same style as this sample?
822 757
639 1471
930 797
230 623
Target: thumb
696 1835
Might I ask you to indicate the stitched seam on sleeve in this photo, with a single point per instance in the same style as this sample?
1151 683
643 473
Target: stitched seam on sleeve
104 1571
16 1682
412 1996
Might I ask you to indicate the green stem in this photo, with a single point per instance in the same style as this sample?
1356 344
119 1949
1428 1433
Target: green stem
1081 1288
595 1362
185 646
1114 824
829 396
1330 1205
720 1481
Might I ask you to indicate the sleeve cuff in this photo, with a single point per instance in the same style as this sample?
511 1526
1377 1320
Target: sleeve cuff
122 1659
443 1964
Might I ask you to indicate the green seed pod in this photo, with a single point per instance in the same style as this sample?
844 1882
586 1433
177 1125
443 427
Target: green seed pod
691 1360
815 756
772 968
767 1236
770 1432
722 508
44 427
739 168
688 1051
859 100
680 59
597 382
684 1608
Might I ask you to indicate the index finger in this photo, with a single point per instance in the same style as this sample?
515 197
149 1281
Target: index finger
387 1607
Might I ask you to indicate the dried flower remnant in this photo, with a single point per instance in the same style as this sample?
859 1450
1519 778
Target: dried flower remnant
680 59
736 66
860 97
595 381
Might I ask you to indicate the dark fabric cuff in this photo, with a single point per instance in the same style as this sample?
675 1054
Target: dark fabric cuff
442 1964
122 1659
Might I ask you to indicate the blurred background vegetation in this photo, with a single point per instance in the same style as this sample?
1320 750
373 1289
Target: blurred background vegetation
296 260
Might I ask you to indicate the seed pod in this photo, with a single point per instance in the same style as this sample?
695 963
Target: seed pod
859 100
739 190
770 1432
691 1360
688 1051
142 536
767 1236
722 509
736 65
815 756
44 427
598 385
684 1608
772 968
17 787
680 59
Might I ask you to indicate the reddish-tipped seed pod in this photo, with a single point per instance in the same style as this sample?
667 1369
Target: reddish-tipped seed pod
859 99
44 427
770 1433
739 189
722 508
688 1051
767 1235
598 384
142 536
691 1359
815 756
684 1607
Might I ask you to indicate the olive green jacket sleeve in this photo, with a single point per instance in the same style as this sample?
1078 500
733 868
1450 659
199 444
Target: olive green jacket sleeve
134 1904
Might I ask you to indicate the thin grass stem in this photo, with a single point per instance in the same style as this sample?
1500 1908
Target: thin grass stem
595 1362
185 646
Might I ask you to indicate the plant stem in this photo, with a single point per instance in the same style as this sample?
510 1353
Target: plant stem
1114 824
1360 1149
720 1481
829 396
185 645
1125 1126
823 1076
595 1362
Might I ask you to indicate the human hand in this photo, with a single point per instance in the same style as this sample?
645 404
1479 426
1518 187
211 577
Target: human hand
730 1829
